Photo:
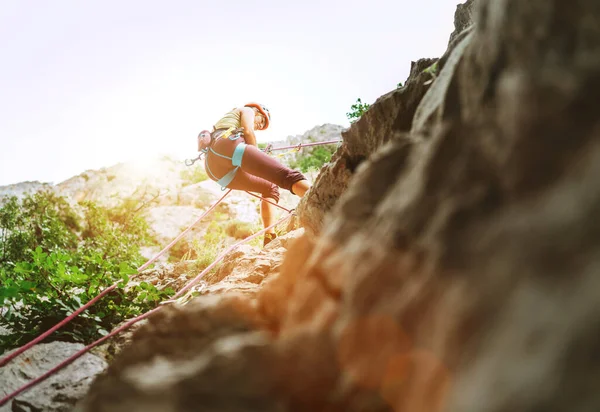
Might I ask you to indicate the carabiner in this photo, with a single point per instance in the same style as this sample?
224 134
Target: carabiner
190 162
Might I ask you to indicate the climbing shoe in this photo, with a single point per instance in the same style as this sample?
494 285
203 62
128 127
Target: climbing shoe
268 238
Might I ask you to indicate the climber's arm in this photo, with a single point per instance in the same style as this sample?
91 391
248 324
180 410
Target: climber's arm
247 121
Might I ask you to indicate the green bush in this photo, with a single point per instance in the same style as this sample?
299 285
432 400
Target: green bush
54 259
193 175
208 248
182 250
44 220
357 110
240 230
314 159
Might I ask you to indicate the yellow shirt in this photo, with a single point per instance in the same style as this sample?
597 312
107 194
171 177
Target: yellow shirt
231 119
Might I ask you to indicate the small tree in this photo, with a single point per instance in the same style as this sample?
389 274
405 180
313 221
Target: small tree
358 109
55 258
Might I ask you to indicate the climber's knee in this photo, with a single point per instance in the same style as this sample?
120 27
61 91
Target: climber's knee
272 192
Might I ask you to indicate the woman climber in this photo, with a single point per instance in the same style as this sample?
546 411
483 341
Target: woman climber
234 161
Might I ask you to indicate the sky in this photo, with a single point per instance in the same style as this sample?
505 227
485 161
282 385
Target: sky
88 84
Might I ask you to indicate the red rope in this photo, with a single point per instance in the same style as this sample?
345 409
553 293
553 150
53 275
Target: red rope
298 146
268 201
59 325
170 245
71 359
222 255
73 315
77 355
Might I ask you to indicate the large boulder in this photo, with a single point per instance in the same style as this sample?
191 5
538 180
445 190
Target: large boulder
190 358
58 393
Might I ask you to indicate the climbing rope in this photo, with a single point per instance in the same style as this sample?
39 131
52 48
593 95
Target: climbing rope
268 201
301 145
131 322
269 149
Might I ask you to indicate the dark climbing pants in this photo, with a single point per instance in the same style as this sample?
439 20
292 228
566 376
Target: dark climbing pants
258 173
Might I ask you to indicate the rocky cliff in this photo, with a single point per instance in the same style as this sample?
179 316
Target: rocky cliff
450 253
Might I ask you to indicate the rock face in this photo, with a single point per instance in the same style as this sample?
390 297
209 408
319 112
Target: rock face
389 115
61 391
457 271
463 18
389 118
22 189
246 269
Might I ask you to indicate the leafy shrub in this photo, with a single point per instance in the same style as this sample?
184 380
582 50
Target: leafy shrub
43 219
240 230
215 239
313 159
182 250
433 69
54 258
210 245
193 175
357 110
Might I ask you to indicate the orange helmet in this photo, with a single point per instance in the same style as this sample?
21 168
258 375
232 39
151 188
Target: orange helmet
263 110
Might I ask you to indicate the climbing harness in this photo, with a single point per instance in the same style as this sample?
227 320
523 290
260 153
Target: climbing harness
190 162
269 149
236 159
238 153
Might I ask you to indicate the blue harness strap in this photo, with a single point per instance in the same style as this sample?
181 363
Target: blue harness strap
236 161
238 153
